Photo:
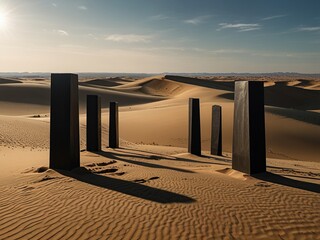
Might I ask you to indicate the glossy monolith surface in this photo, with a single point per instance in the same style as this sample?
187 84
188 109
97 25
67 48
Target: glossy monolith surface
216 131
114 125
93 123
249 150
64 122
194 139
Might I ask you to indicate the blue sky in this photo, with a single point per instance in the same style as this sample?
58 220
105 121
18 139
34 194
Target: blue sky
160 35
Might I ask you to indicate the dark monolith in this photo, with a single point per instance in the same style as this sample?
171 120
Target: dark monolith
114 125
194 145
93 123
216 131
249 150
64 122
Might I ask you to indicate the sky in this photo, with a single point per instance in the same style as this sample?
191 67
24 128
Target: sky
155 36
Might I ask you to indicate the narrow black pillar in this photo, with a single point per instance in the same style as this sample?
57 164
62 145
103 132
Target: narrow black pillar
249 147
216 131
64 122
194 146
93 123
114 125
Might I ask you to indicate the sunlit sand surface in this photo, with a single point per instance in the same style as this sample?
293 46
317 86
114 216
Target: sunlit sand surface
150 188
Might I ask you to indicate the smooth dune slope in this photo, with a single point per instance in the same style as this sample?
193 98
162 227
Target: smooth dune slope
155 111
150 188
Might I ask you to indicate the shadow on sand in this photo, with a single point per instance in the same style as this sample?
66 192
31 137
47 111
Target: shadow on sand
303 116
124 157
287 97
227 86
127 187
153 156
278 179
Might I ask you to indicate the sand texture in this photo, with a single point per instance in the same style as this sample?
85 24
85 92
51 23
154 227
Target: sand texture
150 188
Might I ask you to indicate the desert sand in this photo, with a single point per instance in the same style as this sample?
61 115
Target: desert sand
151 188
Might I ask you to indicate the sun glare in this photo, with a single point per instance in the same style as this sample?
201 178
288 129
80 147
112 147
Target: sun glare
3 19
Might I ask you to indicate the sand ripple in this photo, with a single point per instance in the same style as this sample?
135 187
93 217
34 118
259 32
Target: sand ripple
196 204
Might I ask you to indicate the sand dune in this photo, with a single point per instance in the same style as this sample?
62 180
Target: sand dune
105 82
31 98
150 188
159 105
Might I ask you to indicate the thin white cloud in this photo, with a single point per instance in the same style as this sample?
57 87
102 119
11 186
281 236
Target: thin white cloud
199 49
91 35
273 17
159 17
273 54
157 49
129 38
197 20
227 51
249 29
62 32
54 4
240 27
83 8
308 29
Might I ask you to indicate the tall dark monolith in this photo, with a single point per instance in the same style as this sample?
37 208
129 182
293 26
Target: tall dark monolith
114 125
194 140
64 122
93 123
249 147
216 131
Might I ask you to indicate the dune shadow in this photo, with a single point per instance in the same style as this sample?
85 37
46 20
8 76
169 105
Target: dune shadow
153 156
127 187
9 81
287 111
278 179
227 86
124 157
303 116
284 96
102 82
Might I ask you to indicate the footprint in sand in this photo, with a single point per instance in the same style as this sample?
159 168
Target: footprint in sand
108 170
106 163
153 178
262 184
140 181
46 178
144 180
91 165
120 173
98 168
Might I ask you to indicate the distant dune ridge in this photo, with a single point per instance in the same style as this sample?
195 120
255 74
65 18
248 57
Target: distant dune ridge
150 188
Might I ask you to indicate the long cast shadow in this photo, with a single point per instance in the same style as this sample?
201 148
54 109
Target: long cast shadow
274 178
152 156
127 187
123 157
